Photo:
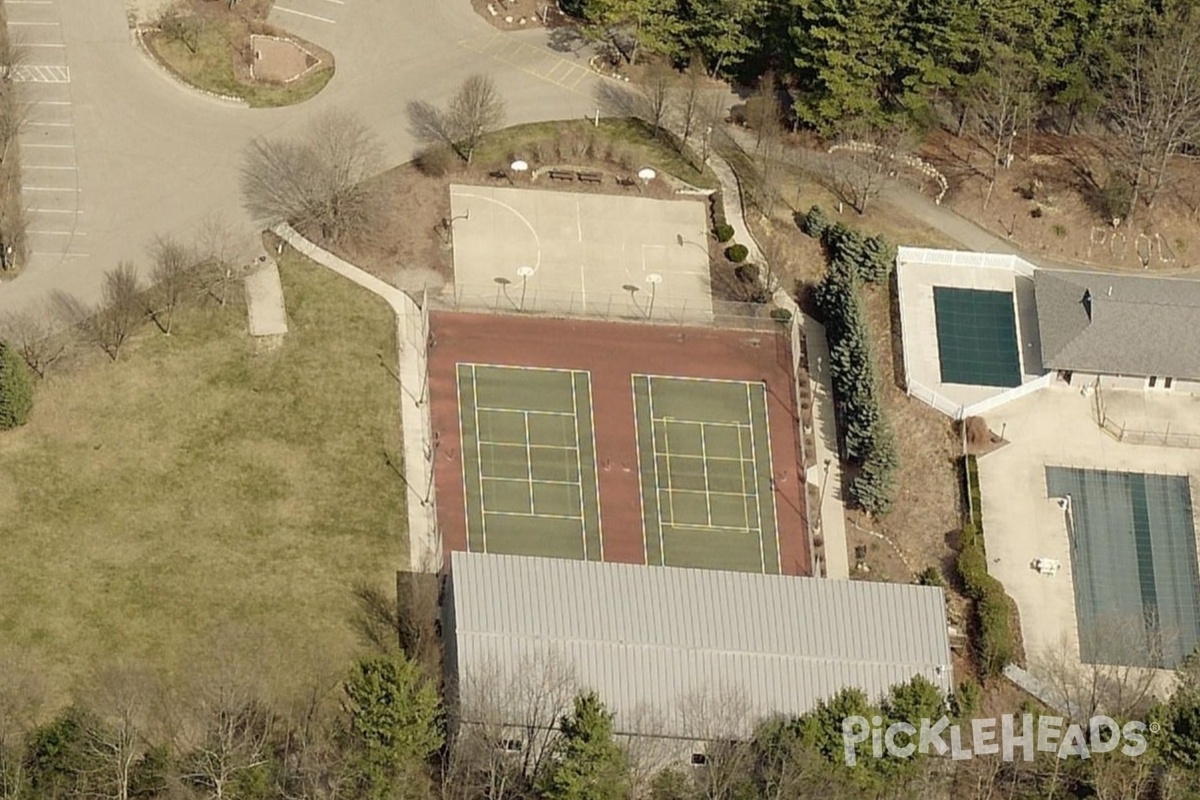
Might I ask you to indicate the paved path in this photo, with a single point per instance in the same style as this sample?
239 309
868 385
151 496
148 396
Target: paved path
130 153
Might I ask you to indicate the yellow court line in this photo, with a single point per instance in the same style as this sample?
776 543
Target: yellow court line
485 46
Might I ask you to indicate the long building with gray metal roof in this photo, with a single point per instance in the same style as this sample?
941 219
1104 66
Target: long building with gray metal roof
656 642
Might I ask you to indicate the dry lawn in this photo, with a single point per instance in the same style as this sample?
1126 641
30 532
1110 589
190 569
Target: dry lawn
199 500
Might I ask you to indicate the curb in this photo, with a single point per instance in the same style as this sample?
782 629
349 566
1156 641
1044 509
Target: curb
136 34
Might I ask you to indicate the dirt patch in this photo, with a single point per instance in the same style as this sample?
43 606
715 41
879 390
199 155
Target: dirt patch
1050 201
279 60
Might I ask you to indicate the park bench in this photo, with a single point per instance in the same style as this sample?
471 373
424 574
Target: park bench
561 175
591 177
626 182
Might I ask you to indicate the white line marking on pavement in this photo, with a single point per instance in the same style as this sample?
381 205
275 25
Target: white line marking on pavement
44 44
57 233
51 102
48 189
337 2
51 124
32 24
52 211
61 255
303 14
28 2
51 146
38 166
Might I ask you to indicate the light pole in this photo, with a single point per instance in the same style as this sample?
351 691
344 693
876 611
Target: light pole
654 279
525 272
821 496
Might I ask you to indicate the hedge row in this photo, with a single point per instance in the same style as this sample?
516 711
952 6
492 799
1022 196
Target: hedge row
871 256
867 439
995 644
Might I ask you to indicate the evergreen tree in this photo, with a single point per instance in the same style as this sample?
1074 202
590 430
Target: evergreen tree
589 764
392 728
16 389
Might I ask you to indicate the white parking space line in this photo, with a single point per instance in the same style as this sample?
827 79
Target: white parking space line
41 73
305 14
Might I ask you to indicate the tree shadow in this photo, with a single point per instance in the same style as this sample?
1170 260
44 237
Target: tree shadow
428 123
566 39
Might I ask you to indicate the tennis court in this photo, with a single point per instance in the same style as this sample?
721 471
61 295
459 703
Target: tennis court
704 456
1133 556
977 337
529 461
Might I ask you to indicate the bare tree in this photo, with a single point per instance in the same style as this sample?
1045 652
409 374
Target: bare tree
476 108
22 693
33 334
173 261
719 720
227 732
657 89
312 764
109 324
865 157
514 709
1002 99
318 181
1119 690
120 697
1154 108
687 100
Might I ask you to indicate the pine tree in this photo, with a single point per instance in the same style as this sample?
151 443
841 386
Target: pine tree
589 765
16 389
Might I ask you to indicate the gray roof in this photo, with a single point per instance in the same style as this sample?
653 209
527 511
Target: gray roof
1127 325
656 641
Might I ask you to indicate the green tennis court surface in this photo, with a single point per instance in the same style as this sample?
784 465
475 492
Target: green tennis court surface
529 461
977 337
1133 556
704 456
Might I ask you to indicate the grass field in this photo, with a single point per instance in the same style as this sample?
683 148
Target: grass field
198 498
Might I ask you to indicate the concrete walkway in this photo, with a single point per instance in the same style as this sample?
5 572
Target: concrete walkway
424 543
828 479
830 521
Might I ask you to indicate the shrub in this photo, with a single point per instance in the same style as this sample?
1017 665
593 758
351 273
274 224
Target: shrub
434 160
16 389
1059 229
880 258
737 253
966 700
1115 198
781 315
723 232
994 643
815 222
931 576
1036 212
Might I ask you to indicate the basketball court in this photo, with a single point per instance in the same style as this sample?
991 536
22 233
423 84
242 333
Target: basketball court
580 254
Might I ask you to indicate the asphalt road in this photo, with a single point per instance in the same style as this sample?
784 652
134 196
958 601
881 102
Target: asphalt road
117 152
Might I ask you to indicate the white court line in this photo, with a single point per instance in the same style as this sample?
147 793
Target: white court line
53 211
51 146
35 166
51 124
57 233
33 24
537 239
337 2
51 102
44 44
48 189
28 2
303 14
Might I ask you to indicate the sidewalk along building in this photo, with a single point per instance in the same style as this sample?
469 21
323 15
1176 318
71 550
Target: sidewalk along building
1124 331
681 656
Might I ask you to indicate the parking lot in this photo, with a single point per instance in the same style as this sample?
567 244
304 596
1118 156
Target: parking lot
50 183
